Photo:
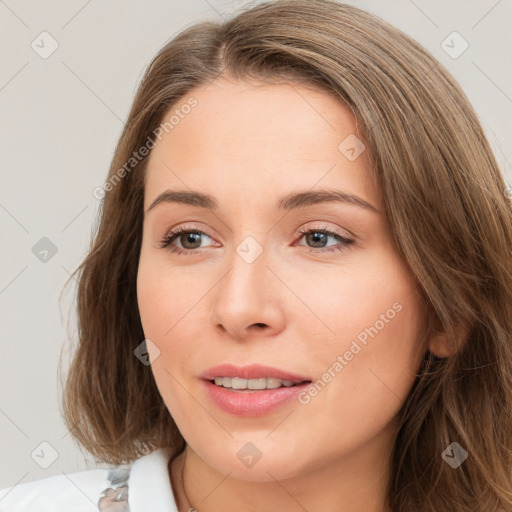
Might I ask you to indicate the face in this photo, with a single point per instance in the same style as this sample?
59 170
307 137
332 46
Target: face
311 287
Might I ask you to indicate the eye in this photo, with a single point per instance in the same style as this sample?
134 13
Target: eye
190 240
319 238
187 237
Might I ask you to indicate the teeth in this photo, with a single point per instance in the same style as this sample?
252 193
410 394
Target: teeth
264 383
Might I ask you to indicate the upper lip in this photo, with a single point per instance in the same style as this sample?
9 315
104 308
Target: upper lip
254 371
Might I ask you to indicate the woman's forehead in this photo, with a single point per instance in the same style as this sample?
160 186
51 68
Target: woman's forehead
242 136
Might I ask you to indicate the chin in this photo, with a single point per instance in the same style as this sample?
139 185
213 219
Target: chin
260 468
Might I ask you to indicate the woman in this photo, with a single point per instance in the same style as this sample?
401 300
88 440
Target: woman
299 294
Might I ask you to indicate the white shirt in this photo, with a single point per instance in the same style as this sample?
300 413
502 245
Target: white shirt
144 486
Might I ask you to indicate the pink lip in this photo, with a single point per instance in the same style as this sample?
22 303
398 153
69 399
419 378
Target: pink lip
254 371
252 403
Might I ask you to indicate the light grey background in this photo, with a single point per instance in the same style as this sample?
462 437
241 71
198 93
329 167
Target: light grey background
60 119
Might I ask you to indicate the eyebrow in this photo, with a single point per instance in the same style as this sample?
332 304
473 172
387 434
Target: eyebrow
291 201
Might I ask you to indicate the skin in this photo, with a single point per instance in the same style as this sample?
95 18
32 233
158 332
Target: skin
248 144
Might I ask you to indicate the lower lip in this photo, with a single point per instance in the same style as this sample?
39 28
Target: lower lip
252 403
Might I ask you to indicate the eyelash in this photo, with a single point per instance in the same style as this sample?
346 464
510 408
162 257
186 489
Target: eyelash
165 243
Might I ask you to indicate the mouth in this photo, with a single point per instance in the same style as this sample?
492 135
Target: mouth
247 402
252 391
254 377
239 384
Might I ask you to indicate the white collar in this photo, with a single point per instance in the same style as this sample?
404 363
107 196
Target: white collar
149 485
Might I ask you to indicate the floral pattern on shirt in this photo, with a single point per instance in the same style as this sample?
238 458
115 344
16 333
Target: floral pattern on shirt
115 497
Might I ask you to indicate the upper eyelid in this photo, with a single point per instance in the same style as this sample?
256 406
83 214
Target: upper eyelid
186 227
330 216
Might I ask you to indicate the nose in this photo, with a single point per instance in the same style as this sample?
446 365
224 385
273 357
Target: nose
249 299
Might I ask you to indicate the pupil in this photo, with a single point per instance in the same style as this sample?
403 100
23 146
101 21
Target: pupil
190 237
317 235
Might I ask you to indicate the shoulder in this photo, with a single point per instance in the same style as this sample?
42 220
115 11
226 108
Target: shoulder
77 491
120 489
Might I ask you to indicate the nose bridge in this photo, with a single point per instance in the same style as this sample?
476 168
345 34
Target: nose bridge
248 294
248 280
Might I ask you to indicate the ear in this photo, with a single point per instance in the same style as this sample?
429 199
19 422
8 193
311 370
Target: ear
443 344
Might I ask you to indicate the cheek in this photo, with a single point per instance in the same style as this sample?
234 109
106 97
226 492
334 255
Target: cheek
165 295
161 302
171 309
373 351
150 290
363 385
372 297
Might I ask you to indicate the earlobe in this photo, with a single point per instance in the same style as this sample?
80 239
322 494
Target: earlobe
443 345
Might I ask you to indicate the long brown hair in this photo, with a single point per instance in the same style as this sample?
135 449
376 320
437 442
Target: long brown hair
450 217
